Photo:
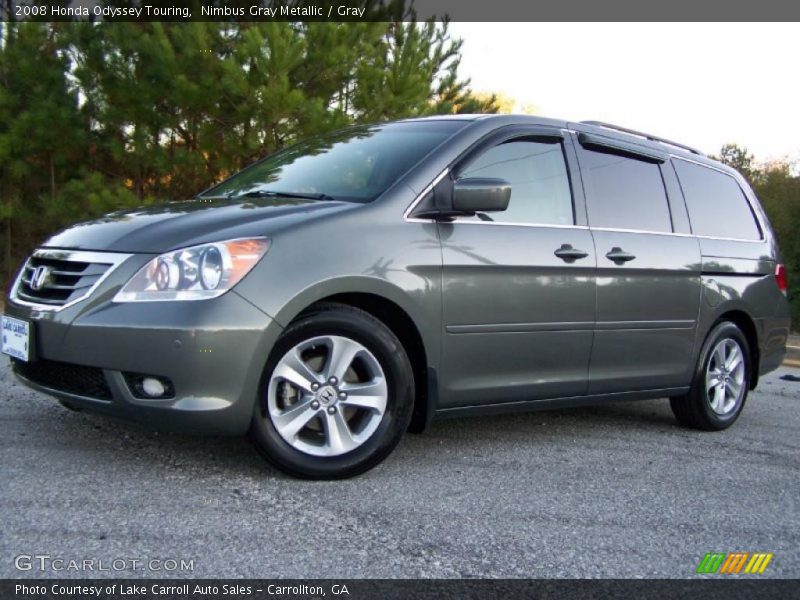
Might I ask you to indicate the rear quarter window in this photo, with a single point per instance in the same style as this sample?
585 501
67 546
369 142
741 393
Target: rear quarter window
716 203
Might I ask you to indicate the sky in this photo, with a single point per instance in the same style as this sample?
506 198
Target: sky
701 84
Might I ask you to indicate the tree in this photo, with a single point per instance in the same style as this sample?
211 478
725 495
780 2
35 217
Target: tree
778 190
496 103
411 71
98 116
177 107
740 159
41 137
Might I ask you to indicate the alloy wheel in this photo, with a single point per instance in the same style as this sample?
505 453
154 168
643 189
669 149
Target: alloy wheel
327 395
725 376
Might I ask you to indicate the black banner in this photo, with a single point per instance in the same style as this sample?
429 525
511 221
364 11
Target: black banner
390 10
383 589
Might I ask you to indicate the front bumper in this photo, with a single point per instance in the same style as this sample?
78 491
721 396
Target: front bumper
213 352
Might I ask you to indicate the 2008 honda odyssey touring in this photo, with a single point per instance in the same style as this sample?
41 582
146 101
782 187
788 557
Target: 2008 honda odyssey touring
362 283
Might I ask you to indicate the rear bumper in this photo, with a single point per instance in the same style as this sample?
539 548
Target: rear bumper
213 352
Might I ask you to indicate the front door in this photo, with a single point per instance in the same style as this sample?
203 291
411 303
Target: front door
519 285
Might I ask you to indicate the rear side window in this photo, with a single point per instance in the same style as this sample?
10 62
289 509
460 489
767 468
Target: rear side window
624 192
537 172
717 205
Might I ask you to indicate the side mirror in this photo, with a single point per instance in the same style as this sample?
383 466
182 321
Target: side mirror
478 194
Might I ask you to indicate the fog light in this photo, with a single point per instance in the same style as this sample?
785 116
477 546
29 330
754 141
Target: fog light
149 387
153 387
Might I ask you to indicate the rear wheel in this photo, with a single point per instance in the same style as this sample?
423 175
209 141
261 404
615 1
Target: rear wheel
721 381
337 396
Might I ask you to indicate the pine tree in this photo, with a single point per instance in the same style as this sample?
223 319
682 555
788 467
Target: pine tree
99 116
41 138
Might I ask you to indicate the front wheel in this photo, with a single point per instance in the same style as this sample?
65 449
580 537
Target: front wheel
337 395
721 381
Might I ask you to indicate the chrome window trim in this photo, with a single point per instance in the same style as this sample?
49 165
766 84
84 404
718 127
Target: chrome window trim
114 259
419 198
753 208
646 231
512 224
756 212
676 234
565 132
729 239
607 229
433 184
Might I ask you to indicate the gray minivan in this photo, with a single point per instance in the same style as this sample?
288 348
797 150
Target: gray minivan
364 282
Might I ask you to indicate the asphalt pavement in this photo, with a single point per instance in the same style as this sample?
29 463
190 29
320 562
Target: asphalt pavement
616 491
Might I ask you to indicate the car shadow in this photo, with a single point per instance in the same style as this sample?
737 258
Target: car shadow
122 440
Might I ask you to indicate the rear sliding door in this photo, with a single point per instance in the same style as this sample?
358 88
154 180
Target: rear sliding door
648 268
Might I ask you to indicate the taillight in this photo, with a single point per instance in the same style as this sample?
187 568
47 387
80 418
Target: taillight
782 278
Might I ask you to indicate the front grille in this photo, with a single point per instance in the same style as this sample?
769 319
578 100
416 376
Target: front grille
65 377
59 281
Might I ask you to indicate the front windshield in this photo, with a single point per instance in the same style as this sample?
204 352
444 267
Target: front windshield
356 164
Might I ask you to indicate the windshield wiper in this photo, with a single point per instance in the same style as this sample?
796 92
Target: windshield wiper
272 194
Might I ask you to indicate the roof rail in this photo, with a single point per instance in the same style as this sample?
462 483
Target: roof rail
647 136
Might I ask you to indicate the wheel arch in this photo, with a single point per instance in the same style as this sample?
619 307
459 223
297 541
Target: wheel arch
394 308
747 325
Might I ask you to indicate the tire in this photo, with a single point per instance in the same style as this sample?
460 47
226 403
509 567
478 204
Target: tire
719 387
336 396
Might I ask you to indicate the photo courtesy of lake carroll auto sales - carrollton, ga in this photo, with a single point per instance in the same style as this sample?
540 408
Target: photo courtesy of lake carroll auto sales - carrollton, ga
184 589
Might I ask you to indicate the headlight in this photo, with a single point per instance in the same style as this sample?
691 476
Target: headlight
194 273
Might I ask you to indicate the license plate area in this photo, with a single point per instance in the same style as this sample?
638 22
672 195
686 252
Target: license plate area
17 335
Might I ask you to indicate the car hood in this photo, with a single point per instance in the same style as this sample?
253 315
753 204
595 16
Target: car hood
172 225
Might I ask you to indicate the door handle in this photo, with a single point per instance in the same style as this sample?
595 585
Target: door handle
569 254
619 256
